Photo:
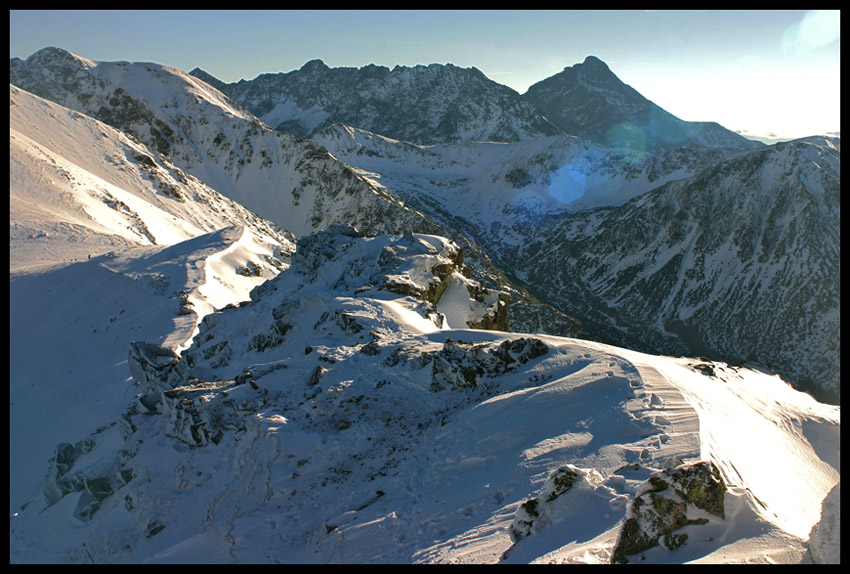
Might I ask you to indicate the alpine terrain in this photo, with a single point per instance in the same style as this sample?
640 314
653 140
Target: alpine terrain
343 315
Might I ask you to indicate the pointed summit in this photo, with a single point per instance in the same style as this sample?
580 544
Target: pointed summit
207 77
589 101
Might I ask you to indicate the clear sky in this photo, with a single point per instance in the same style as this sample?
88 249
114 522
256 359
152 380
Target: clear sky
760 71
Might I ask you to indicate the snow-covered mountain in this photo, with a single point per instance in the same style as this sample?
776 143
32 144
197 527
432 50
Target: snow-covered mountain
108 241
420 104
588 100
724 253
292 182
338 372
440 104
347 415
740 261
80 188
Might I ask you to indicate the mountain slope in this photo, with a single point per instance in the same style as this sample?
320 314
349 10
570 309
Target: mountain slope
334 420
693 252
420 104
290 181
70 326
476 185
78 188
589 101
108 241
740 261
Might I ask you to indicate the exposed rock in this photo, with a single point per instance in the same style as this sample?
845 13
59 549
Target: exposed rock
655 518
201 412
67 474
154 367
459 364
528 518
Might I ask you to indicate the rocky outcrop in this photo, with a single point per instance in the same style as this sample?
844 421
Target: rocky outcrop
70 472
459 364
665 503
658 513
530 518
154 368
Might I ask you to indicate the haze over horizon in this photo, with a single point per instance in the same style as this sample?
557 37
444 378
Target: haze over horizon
757 72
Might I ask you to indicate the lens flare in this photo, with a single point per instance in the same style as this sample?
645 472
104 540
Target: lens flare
568 183
817 29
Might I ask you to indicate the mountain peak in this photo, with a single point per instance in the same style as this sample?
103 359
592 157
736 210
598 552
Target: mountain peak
314 66
207 77
59 55
594 63
588 100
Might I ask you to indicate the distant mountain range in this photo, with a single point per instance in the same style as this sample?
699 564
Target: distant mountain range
447 104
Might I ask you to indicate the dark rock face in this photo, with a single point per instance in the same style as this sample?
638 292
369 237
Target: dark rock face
589 101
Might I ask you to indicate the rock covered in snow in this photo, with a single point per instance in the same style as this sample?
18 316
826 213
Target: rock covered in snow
659 512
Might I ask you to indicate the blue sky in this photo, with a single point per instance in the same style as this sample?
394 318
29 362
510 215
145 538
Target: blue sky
760 71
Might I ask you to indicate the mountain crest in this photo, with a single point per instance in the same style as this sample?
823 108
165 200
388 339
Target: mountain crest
433 104
314 66
593 65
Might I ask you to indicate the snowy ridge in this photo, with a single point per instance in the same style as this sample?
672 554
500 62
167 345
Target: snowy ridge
149 243
336 419
293 183
68 319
